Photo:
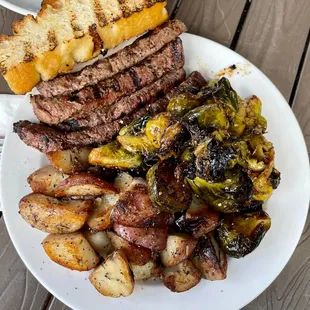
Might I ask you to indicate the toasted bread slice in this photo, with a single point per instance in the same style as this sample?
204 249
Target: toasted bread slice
66 32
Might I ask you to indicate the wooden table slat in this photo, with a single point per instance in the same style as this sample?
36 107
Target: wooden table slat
19 290
273 38
214 19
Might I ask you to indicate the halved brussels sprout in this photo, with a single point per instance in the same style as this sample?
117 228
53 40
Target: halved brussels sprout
136 144
180 105
240 234
112 155
166 189
156 127
173 141
238 123
136 127
228 196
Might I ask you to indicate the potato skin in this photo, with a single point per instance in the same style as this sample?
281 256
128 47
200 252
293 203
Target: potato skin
151 238
52 215
179 247
71 251
183 279
100 218
113 277
70 161
136 254
134 207
45 180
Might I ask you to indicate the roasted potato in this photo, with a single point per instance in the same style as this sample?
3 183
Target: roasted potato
179 247
150 270
136 254
199 219
113 277
46 180
134 206
123 181
84 185
99 241
71 251
182 277
209 259
70 161
151 238
52 215
100 218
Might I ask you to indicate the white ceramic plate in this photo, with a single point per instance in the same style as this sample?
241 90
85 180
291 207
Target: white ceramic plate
247 277
23 7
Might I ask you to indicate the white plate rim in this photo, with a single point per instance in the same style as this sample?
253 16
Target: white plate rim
18 9
300 228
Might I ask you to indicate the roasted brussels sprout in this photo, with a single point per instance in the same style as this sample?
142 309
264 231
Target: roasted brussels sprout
238 125
240 234
209 259
173 141
167 190
136 144
112 155
136 127
156 127
227 196
213 159
180 105
275 178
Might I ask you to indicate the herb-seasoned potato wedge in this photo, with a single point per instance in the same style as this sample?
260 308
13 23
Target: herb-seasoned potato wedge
46 180
99 241
84 185
123 181
182 277
70 161
113 277
100 218
71 250
134 253
179 247
52 215
151 238
150 270
134 206
209 259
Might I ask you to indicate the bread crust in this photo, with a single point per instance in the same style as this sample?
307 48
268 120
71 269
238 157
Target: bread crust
61 36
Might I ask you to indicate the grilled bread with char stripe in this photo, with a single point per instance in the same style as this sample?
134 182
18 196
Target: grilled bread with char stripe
69 31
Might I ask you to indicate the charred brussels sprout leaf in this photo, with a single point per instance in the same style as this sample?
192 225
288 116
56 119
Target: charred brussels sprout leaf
213 159
136 127
173 141
275 178
224 93
156 127
228 196
112 155
136 144
183 103
166 189
240 234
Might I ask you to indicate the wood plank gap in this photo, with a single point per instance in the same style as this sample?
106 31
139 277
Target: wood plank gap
299 71
175 10
240 24
48 302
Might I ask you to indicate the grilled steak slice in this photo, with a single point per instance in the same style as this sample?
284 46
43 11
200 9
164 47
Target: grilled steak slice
79 104
124 59
47 139
127 105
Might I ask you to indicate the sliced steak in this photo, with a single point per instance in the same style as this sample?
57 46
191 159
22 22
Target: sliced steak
47 139
79 104
106 114
120 61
